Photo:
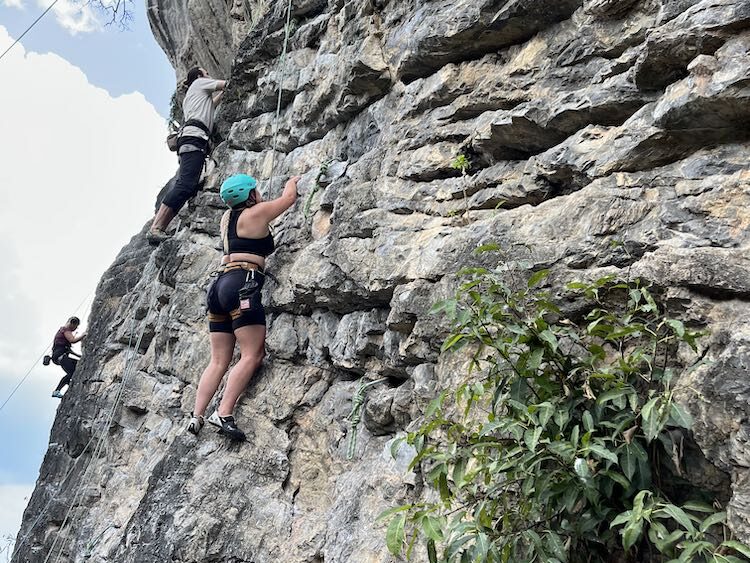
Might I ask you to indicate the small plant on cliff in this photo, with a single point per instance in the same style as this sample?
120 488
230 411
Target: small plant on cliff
462 164
562 444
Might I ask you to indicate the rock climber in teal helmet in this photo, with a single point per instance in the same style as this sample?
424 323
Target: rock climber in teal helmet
235 311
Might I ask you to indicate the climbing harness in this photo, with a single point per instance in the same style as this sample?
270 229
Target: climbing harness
41 357
280 73
229 266
173 139
355 417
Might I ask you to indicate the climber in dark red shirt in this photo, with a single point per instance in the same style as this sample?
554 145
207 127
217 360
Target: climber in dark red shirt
65 337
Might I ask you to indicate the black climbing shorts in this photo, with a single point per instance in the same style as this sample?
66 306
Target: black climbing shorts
223 301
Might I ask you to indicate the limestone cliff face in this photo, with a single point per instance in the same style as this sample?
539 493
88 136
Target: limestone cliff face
589 120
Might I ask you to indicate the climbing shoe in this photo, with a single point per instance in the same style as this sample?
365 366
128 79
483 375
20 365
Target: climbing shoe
227 426
46 360
156 236
195 425
57 395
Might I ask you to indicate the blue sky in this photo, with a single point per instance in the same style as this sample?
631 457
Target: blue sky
107 93
119 61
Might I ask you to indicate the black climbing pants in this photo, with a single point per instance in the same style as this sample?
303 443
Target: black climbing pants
69 365
188 176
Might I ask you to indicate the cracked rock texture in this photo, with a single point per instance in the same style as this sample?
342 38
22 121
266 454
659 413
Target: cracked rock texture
585 121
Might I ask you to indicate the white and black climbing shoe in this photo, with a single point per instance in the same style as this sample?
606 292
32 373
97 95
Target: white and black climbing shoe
57 395
227 426
46 360
157 236
195 424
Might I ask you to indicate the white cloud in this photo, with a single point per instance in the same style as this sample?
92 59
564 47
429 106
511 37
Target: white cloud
15 498
79 175
76 16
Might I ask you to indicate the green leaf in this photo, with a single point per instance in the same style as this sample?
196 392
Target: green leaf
452 341
549 337
618 478
588 421
395 446
638 504
535 360
574 437
481 546
431 551
713 520
612 394
680 416
537 277
631 534
394 510
454 548
561 417
677 326
555 545
679 516
531 437
695 506
652 423
435 404
622 518
445 493
448 306
738 547
490 247
459 470
394 537
432 528
603 452
630 456
546 410
582 469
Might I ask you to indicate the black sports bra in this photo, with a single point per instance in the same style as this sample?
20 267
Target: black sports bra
235 244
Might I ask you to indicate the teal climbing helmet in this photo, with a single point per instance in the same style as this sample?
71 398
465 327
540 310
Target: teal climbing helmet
236 189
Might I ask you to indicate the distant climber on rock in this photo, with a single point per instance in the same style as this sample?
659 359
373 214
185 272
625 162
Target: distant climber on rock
65 337
235 311
200 102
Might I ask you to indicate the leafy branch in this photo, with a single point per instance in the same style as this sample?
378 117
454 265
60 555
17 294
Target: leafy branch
557 445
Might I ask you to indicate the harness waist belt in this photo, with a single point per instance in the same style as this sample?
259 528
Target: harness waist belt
248 266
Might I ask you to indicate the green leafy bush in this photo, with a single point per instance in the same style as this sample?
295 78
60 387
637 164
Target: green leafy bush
559 444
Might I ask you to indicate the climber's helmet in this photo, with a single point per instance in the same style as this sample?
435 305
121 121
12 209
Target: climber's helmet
237 189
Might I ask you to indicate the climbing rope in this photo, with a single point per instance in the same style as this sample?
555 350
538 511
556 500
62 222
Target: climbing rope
44 13
28 373
280 69
321 174
127 371
355 417
52 498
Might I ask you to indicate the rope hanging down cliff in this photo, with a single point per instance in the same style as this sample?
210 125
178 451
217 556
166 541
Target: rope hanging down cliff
52 498
280 74
28 373
354 418
127 371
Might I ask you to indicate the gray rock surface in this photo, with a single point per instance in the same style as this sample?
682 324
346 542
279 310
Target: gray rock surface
585 122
